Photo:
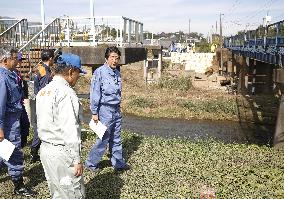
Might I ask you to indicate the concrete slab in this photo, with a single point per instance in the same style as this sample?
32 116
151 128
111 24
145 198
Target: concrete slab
96 55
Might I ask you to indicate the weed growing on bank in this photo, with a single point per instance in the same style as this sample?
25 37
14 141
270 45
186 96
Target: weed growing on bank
219 105
181 83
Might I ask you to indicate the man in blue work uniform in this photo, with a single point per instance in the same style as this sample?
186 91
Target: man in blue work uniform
105 106
24 120
43 76
10 113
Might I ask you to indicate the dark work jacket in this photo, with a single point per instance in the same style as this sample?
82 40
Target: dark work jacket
42 77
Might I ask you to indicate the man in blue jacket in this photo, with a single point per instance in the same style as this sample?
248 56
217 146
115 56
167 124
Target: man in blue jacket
10 113
105 106
42 77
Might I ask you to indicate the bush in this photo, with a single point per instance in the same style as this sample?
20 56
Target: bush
218 105
182 83
141 102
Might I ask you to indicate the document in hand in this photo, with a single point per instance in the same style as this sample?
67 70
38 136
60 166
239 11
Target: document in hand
99 128
6 149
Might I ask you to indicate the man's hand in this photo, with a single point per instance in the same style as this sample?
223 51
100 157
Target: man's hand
78 169
1 135
95 118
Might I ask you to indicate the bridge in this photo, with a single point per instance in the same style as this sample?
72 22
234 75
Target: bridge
256 59
259 55
84 36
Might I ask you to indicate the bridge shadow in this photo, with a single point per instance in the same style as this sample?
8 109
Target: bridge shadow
107 185
257 114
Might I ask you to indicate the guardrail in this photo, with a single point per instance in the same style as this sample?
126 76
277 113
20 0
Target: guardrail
93 31
265 44
7 23
16 35
48 38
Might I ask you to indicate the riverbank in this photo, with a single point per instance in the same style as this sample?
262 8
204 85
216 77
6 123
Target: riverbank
177 97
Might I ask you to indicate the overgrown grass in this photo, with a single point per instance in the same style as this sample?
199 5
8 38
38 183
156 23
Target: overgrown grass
220 105
175 168
181 83
141 102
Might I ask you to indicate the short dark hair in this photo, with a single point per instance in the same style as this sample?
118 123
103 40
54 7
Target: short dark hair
46 54
112 49
63 68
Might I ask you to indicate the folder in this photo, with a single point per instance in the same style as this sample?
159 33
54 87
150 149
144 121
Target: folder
99 128
6 149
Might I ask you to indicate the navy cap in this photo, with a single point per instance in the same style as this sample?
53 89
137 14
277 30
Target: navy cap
20 56
71 60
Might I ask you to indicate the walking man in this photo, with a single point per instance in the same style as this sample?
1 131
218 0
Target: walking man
105 106
57 109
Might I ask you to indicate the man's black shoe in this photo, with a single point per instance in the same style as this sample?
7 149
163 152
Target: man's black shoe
21 190
24 192
35 158
125 168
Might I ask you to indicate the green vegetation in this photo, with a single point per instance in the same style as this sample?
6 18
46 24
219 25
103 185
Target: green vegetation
141 102
181 83
203 46
174 168
219 105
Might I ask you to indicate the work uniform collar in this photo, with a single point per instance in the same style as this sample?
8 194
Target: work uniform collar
109 69
61 80
10 73
46 66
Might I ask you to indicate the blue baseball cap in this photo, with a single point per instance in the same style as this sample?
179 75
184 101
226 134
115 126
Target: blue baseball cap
71 60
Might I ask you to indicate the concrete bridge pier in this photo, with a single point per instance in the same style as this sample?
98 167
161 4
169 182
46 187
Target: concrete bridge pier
241 71
261 74
254 76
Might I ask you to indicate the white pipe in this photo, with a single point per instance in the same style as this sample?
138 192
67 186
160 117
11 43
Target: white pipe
120 27
92 16
42 15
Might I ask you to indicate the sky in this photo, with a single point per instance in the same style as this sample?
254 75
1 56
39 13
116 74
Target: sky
158 15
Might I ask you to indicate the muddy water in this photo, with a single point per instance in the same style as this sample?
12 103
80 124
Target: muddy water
225 131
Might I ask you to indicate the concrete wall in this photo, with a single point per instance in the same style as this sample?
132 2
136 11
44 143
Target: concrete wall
96 55
193 61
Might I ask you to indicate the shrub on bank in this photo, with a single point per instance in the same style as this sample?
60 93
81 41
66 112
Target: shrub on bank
141 102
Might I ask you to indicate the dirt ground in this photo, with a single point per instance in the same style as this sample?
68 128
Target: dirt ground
163 103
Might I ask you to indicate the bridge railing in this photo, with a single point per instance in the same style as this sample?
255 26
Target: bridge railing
7 23
48 38
16 35
99 30
264 44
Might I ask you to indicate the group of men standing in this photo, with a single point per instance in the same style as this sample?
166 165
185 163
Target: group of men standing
57 133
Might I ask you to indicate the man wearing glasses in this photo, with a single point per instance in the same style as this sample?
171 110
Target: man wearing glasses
10 113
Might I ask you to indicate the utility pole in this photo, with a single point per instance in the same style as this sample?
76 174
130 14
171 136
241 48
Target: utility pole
221 46
188 29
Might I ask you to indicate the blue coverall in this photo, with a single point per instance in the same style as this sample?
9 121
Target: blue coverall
10 113
41 79
105 98
24 120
